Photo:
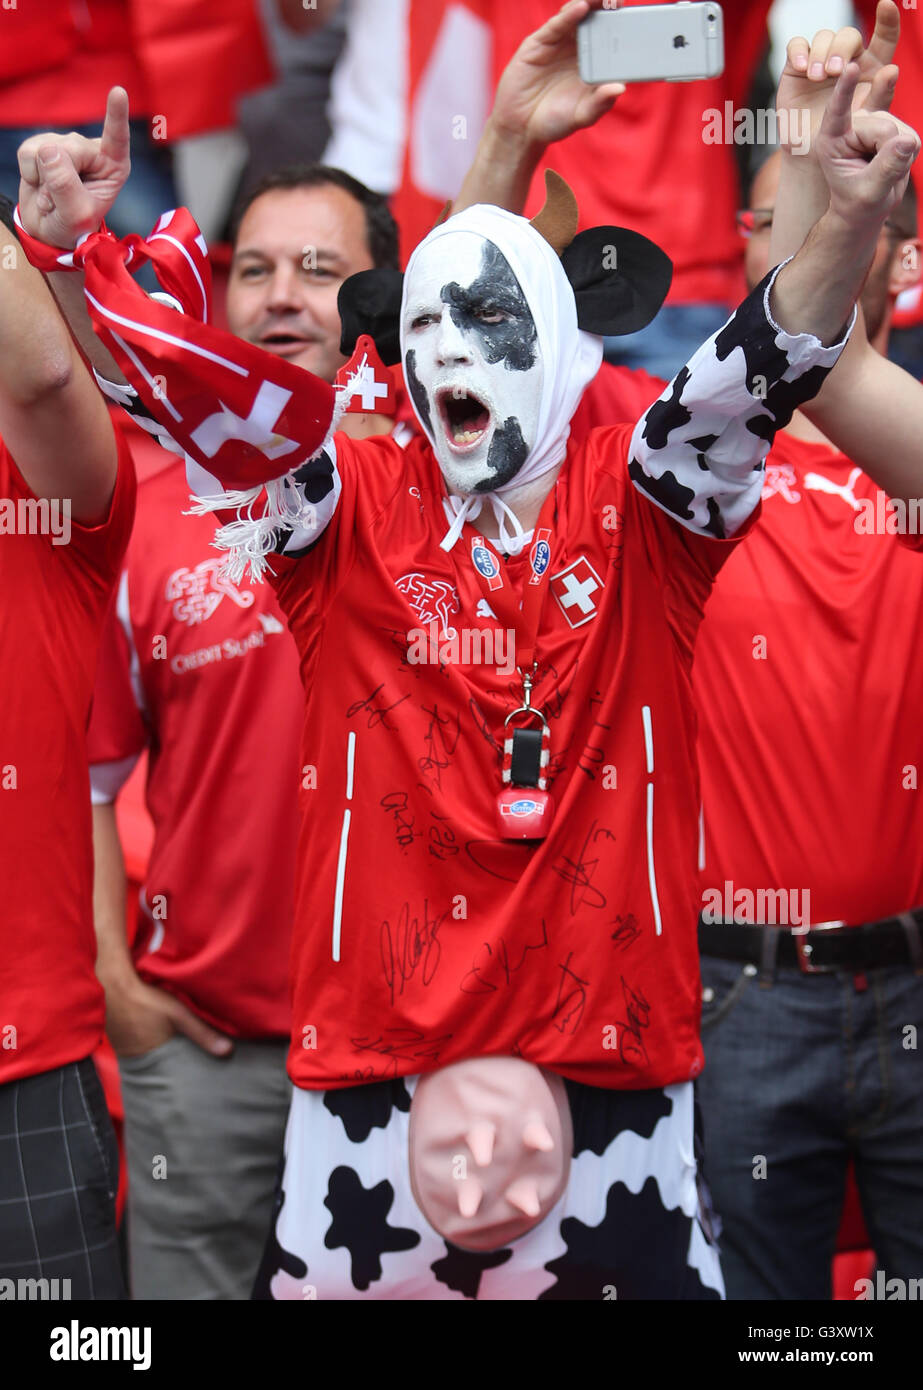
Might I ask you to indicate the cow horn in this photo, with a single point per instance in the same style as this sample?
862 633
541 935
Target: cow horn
443 216
557 221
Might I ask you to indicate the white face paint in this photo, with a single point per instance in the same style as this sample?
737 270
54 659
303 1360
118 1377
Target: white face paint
472 361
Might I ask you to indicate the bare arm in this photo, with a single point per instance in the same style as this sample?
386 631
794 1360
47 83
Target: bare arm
139 1017
47 396
696 452
67 288
113 958
868 407
540 99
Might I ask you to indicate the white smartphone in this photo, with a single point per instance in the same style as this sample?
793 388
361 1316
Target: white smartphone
652 43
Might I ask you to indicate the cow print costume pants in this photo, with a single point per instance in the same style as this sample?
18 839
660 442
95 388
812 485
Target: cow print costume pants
633 1222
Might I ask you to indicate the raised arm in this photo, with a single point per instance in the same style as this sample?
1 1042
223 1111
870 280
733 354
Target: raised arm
52 419
540 99
868 407
68 183
697 448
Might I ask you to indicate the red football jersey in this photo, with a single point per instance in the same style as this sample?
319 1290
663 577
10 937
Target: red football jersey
54 602
204 673
423 933
807 674
578 952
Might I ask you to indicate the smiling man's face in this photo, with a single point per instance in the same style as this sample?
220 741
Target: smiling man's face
471 361
294 249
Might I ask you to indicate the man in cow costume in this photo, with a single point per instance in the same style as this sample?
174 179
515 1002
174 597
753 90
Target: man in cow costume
496 989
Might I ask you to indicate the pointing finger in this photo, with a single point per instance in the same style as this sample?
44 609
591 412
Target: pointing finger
837 120
116 136
887 31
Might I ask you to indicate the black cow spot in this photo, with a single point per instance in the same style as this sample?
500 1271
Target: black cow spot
600 1116
360 1224
315 478
636 1248
666 416
715 523
275 1259
364 1108
461 1270
763 426
749 331
785 397
497 292
507 453
667 490
417 393
703 444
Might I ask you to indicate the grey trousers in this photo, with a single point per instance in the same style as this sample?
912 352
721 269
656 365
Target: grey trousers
203 1141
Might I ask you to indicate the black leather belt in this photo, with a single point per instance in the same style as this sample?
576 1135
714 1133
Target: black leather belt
823 948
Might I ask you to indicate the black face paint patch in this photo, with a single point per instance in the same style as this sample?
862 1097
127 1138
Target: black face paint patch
496 290
417 393
507 453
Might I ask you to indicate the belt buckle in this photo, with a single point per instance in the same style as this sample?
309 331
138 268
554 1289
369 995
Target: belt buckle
804 949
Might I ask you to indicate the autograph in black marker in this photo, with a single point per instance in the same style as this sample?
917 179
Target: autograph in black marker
410 946
376 714
579 872
495 966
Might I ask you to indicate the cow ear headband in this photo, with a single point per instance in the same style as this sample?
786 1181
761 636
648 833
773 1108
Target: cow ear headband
619 279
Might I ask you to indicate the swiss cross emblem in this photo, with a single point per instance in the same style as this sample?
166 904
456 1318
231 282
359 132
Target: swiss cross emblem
577 590
366 382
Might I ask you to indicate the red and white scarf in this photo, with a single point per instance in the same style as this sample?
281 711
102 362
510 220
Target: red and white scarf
243 415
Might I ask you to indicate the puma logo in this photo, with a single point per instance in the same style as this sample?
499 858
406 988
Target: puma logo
816 482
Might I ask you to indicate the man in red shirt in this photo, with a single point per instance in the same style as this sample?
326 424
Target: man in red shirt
203 673
807 677
67 512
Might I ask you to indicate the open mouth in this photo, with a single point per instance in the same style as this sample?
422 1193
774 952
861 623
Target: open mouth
465 418
283 343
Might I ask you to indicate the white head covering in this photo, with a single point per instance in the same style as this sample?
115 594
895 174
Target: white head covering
570 357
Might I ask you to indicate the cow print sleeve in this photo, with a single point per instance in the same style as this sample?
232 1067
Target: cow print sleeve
284 517
699 452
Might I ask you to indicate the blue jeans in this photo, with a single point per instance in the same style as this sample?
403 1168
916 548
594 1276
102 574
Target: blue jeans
667 344
805 1075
